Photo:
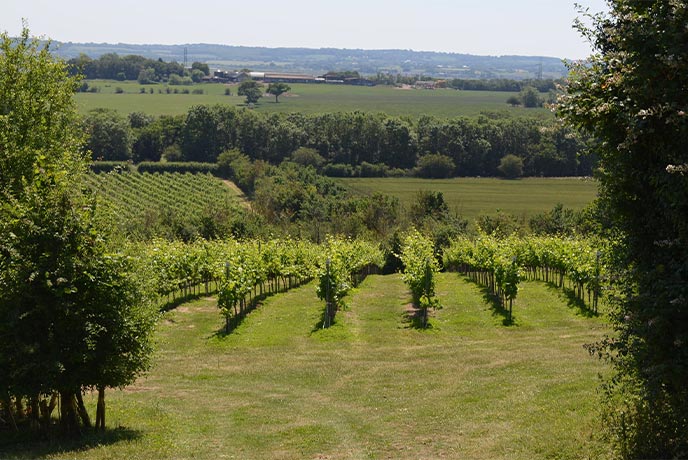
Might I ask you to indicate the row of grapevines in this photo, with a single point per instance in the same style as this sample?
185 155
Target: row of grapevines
500 264
420 269
577 262
256 268
489 262
341 265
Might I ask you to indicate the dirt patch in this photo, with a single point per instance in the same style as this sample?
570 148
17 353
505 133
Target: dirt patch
140 388
240 195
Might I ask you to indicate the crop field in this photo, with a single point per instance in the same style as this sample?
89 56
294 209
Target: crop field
471 197
304 98
371 386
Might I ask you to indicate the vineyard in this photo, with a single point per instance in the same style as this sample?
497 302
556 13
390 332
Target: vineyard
500 265
270 315
245 272
139 201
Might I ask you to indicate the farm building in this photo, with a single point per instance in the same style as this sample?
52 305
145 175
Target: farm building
288 78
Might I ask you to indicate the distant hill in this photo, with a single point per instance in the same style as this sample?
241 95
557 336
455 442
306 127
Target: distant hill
319 61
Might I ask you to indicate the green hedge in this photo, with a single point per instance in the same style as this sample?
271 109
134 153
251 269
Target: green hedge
178 167
108 166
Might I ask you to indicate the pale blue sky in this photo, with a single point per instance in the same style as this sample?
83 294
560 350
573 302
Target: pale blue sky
483 27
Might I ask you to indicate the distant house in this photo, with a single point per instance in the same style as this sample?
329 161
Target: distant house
222 76
288 78
426 84
346 78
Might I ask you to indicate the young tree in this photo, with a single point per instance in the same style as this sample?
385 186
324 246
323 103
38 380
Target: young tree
252 90
631 97
277 89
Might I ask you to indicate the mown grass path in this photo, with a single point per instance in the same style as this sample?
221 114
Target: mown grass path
372 386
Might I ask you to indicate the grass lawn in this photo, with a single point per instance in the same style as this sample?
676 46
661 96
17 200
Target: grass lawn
471 197
372 386
305 98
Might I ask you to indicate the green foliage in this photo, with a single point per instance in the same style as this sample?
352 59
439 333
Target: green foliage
342 264
147 76
530 97
177 167
500 264
109 135
500 224
252 90
277 89
420 271
511 166
428 205
631 97
38 120
558 221
203 67
108 166
514 101
435 166
308 157
173 204
73 313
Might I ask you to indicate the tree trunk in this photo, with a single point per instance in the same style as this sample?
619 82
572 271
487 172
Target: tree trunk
35 412
83 413
68 413
10 415
100 410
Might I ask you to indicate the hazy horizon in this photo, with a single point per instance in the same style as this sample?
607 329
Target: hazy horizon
484 28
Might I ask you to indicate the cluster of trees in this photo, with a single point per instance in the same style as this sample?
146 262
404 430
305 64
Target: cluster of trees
501 84
111 66
370 144
631 97
74 314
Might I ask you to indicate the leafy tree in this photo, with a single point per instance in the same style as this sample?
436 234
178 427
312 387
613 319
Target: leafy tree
631 97
72 313
531 97
147 76
308 157
252 90
197 75
435 166
37 113
428 204
109 135
514 101
277 89
200 66
511 166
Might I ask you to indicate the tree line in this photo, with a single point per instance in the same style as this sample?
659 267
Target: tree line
111 66
347 143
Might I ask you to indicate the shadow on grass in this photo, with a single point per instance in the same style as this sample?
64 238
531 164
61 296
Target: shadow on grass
323 322
494 303
413 317
174 303
572 300
32 444
236 320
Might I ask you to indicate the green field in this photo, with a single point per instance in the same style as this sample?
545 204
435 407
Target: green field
370 387
471 197
305 98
